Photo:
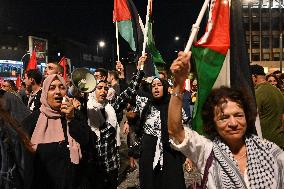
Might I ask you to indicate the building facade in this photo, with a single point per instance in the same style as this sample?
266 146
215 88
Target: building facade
15 53
263 24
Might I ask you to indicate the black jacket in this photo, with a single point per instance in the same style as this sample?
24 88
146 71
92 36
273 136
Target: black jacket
35 103
52 167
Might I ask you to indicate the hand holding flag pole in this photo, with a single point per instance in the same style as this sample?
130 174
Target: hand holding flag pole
195 27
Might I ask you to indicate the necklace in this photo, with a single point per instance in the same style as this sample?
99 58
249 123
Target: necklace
241 156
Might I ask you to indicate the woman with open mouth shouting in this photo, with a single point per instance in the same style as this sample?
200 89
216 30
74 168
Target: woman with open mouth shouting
159 165
57 135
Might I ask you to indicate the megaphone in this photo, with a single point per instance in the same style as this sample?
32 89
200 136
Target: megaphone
84 80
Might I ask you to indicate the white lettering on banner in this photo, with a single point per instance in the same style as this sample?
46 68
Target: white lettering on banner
89 57
265 3
98 58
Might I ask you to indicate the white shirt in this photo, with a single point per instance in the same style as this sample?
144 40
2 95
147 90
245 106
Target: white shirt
198 148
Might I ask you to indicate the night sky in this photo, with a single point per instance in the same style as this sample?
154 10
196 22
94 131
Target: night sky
91 20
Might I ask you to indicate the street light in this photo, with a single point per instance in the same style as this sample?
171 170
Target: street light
100 44
176 38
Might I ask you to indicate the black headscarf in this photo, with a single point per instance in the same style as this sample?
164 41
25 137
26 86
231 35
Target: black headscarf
162 105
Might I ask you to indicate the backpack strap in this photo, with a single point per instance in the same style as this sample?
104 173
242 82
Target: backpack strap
206 171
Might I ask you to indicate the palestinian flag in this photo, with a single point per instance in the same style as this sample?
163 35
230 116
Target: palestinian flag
157 57
154 57
131 29
125 14
32 62
220 56
209 54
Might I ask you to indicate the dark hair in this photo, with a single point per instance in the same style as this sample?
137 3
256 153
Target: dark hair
103 72
12 84
36 75
220 96
279 82
102 81
23 84
114 74
277 72
256 69
60 68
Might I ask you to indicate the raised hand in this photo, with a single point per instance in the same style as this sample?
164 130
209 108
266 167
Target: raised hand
119 66
67 108
180 68
141 62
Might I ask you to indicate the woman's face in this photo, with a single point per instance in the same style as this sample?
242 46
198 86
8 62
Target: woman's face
231 122
55 94
157 89
272 81
101 92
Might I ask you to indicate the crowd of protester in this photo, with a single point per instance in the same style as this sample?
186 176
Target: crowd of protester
61 138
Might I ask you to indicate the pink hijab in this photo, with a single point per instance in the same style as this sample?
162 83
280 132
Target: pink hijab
49 128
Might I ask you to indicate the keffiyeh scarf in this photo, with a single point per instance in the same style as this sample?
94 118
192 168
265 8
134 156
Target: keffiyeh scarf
262 169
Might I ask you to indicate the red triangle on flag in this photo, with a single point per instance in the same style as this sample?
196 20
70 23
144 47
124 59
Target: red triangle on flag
18 81
63 63
32 62
121 11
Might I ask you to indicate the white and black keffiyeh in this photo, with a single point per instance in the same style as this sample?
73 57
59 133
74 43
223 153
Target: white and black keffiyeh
262 167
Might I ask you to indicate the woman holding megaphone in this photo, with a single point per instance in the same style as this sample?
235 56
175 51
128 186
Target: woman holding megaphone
57 136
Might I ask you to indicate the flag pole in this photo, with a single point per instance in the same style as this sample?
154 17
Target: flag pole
141 25
195 27
146 28
117 44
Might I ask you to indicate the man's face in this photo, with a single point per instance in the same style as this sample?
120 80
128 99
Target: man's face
254 79
99 77
28 81
194 85
101 92
6 86
162 76
55 94
50 69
